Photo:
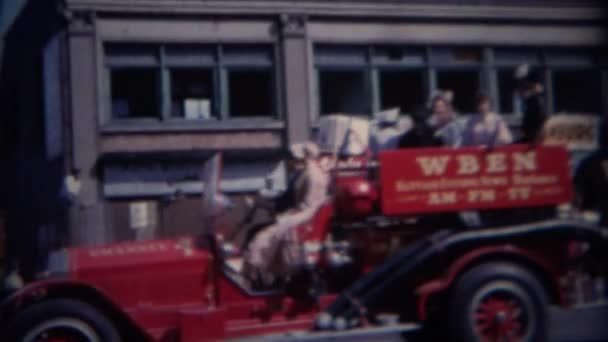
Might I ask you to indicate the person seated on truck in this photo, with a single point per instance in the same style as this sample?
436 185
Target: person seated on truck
444 121
421 134
386 128
269 258
486 128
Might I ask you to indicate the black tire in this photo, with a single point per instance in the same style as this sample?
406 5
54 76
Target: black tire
498 302
66 317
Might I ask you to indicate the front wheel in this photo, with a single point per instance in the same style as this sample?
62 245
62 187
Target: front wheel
498 302
62 320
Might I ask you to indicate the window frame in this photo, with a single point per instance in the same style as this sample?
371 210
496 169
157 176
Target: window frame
221 94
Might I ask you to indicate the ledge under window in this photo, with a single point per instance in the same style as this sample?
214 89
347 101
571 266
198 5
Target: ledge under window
146 126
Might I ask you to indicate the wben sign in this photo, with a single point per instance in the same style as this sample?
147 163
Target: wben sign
428 180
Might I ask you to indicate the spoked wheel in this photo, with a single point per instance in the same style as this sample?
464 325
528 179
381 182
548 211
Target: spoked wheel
498 302
62 320
502 312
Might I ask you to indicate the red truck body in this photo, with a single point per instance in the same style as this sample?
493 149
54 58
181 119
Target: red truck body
185 290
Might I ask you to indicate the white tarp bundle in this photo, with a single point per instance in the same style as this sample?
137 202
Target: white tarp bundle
351 135
343 134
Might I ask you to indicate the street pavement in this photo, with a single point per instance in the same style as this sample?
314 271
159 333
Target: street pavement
584 324
575 325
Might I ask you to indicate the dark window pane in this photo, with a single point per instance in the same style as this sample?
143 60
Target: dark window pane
506 89
344 92
464 84
577 91
134 93
250 93
192 94
403 89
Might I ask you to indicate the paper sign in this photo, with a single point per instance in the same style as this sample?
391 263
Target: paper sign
574 131
195 109
142 215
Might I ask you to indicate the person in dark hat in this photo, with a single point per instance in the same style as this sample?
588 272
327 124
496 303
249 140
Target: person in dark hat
531 93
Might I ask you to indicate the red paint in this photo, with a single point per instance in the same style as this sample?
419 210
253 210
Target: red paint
499 319
439 179
178 286
355 196
443 282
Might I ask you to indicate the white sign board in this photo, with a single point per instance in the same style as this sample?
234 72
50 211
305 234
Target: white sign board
575 131
142 214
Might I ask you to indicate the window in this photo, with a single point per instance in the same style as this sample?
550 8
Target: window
577 91
506 61
134 93
365 79
464 84
344 92
190 81
193 94
250 93
506 91
458 69
404 89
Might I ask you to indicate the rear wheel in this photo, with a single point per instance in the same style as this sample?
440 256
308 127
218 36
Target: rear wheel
498 302
62 320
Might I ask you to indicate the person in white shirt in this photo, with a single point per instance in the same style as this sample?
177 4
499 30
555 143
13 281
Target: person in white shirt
486 128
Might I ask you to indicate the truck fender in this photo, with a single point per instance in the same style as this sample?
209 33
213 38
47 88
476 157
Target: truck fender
62 288
537 263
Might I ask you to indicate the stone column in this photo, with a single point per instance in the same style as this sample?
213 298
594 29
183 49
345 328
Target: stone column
87 214
296 77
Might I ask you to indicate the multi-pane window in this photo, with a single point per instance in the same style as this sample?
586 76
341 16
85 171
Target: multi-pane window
189 81
458 69
576 81
364 79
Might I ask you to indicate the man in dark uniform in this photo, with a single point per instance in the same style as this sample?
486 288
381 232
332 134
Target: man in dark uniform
530 91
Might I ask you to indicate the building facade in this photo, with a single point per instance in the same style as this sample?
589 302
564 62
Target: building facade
137 94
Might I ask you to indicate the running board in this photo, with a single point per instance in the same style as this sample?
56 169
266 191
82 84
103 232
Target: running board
393 332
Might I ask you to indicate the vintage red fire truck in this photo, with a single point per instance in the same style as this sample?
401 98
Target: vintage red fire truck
389 251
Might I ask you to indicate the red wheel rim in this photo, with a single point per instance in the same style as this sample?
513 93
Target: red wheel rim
502 313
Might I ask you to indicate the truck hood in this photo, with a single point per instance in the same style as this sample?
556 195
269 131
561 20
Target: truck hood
86 262
131 274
